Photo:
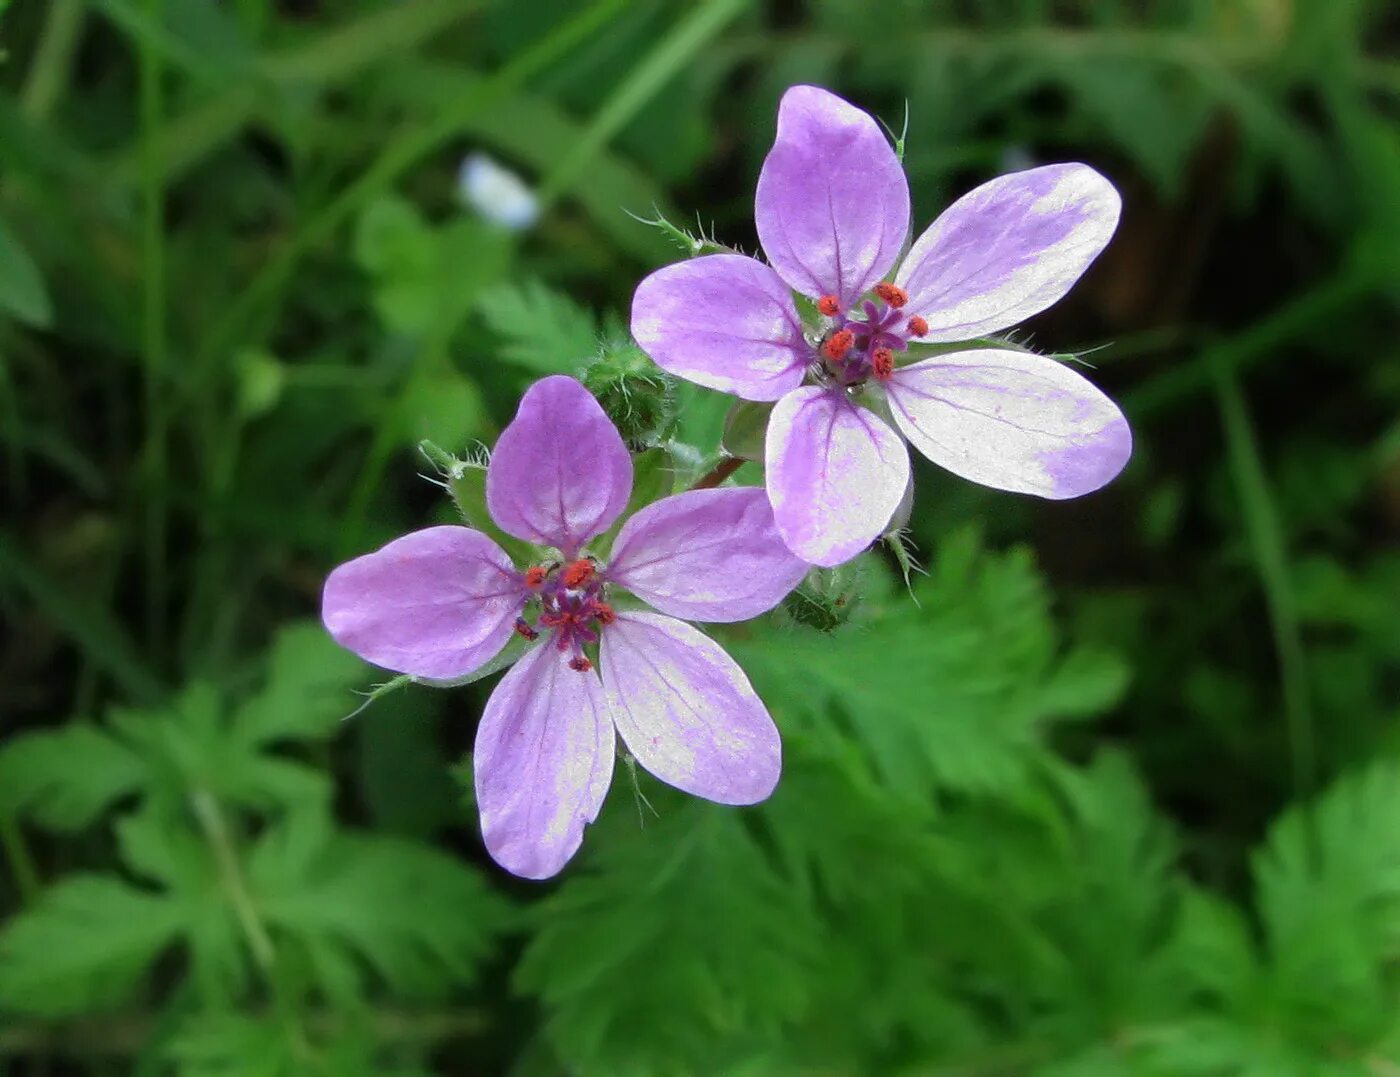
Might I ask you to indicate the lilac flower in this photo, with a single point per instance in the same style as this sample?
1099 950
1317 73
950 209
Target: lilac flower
833 214
441 602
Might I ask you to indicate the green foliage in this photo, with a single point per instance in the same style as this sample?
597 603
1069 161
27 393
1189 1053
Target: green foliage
540 329
955 690
84 947
1040 815
236 860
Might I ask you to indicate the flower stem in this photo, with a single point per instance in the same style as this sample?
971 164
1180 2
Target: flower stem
1270 552
719 473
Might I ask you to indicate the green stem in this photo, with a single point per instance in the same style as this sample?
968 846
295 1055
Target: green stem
1269 547
153 340
387 433
1260 341
211 824
53 59
20 859
669 56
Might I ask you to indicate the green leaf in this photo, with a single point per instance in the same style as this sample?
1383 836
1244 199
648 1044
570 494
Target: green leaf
676 941
306 689
420 919
540 329
85 945
22 291
66 778
958 691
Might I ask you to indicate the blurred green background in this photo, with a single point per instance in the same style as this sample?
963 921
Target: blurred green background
1118 795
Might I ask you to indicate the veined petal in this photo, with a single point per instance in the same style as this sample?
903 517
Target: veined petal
833 205
542 764
1011 420
724 321
438 603
836 473
1007 250
706 555
560 473
686 710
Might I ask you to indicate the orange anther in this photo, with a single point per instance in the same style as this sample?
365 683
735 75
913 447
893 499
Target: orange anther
892 294
838 344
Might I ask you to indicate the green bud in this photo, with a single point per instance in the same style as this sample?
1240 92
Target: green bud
826 599
637 395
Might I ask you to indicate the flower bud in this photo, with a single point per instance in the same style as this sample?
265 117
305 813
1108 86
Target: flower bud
826 599
635 393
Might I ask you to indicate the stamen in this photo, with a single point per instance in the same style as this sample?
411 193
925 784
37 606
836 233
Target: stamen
893 295
882 363
829 305
838 344
580 663
534 577
523 627
604 613
578 574
917 326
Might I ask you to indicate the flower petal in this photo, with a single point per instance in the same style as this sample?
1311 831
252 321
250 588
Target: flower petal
434 603
706 555
686 710
836 473
724 321
543 763
1011 420
833 205
1007 250
560 473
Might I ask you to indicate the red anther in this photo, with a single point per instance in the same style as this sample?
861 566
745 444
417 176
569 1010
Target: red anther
829 305
577 573
838 344
892 294
581 664
605 613
917 326
525 630
534 576
554 620
882 363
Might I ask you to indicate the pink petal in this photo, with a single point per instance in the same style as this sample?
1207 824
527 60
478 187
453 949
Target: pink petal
687 712
833 205
836 473
726 322
543 763
435 603
1011 420
706 555
560 473
1008 249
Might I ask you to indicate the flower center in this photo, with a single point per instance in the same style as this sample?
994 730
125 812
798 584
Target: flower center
572 607
858 346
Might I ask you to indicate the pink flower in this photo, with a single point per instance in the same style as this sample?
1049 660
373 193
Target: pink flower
833 214
441 602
